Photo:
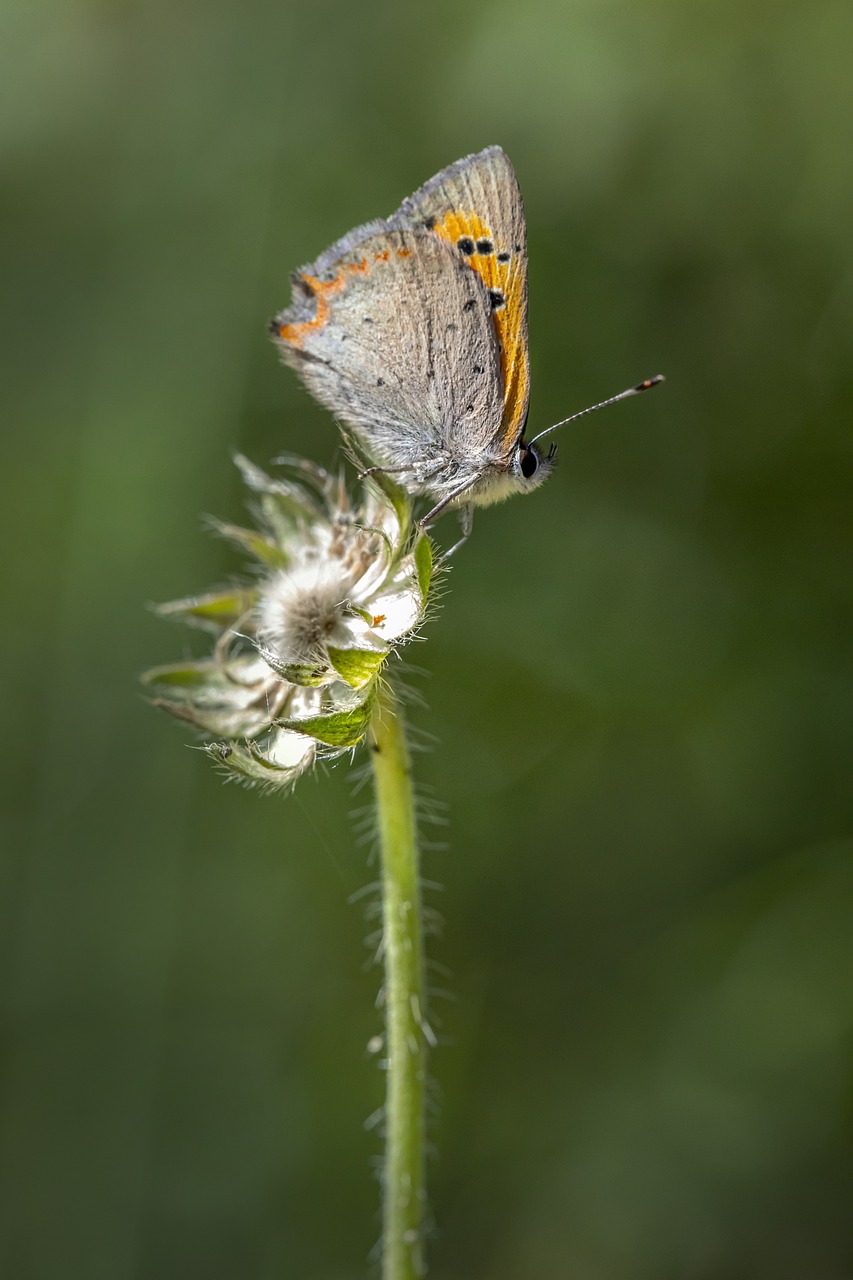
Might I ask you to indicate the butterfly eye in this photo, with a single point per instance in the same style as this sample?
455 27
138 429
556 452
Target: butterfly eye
529 463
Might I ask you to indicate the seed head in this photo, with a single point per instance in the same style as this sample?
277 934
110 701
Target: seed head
297 653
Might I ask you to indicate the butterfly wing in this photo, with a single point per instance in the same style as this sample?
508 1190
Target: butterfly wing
475 207
392 331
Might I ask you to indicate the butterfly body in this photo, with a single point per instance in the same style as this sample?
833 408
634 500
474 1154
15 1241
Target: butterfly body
412 330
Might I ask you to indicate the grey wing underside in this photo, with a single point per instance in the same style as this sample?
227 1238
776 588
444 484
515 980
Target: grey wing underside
392 332
479 194
485 182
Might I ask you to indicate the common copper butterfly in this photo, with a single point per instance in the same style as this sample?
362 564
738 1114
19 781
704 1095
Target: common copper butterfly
412 330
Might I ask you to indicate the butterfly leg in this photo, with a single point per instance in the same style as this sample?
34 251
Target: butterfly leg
385 471
426 521
466 515
466 519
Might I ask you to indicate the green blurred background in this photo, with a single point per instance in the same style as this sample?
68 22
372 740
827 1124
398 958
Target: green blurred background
639 684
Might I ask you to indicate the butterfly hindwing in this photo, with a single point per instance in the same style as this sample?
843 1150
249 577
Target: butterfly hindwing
393 333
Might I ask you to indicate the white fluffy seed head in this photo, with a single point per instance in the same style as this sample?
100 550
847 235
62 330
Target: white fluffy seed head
304 609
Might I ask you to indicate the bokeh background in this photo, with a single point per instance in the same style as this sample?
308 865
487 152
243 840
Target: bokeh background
639 685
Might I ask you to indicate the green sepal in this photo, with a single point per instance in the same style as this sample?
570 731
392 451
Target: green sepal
202 694
317 476
340 729
395 493
357 666
263 549
423 564
289 498
182 676
213 719
249 764
215 612
307 674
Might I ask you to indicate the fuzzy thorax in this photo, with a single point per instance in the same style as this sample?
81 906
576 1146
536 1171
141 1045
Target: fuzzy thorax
526 471
497 486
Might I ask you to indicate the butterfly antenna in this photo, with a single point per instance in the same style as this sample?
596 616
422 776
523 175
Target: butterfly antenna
623 395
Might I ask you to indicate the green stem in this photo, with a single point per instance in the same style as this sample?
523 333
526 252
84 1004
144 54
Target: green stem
407 1033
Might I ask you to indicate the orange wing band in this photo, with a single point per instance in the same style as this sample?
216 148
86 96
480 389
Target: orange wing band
324 290
502 273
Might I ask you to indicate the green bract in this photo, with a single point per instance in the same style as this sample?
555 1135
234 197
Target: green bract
298 652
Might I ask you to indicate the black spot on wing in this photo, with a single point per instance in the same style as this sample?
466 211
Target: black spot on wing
465 245
496 299
485 247
299 282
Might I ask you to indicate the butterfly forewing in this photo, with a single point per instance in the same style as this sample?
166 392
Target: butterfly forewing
393 332
475 207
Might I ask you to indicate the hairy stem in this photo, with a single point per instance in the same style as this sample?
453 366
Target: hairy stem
407 1033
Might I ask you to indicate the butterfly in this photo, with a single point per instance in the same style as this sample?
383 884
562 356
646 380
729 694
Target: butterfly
412 330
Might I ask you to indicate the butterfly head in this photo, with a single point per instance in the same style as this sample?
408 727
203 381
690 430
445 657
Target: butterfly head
528 466
531 466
